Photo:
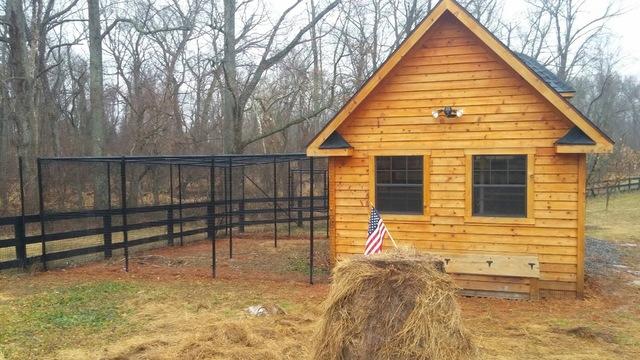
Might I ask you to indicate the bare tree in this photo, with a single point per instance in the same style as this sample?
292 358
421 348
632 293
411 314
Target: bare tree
236 95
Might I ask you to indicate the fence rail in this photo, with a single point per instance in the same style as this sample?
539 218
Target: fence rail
608 187
55 235
223 220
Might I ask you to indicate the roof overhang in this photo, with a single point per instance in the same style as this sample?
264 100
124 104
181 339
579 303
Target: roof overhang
334 145
604 144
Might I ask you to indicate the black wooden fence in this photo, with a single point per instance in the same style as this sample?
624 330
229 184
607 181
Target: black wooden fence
54 235
609 187
20 241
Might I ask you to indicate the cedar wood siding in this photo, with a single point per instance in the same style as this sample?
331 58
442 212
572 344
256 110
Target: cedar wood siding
450 66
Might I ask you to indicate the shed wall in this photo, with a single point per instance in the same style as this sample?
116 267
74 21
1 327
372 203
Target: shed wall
502 114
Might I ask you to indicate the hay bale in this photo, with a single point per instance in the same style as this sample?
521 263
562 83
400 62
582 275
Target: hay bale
396 305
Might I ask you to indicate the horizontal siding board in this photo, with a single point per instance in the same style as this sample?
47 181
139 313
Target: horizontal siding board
501 112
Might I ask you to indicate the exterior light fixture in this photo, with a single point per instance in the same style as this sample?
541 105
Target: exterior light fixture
448 111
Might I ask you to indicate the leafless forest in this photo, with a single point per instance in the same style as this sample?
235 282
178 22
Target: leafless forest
253 76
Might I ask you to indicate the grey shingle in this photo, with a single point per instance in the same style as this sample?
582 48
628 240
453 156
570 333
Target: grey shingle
575 136
335 141
546 75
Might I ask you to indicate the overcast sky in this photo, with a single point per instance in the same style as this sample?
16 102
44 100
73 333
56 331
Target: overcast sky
624 29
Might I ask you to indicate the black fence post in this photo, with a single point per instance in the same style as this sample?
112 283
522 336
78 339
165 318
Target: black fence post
180 204
106 232
213 217
21 245
225 192
230 212
43 233
311 212
241 205
170 210
289 200
123 205
275 203
326 198
20 228
106 219
299 197
210 205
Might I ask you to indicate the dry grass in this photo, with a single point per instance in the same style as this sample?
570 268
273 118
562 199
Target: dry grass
396 305
168 307
620 223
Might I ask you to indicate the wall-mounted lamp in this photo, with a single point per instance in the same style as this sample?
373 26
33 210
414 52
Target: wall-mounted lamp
448 111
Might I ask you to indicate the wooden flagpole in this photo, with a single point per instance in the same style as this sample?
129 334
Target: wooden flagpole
388 232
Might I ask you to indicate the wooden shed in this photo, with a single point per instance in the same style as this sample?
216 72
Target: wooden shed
468 150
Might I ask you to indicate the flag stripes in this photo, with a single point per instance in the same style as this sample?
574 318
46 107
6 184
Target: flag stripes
377 231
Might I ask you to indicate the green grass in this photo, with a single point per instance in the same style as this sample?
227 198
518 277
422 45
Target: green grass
301 265
45 319
620 223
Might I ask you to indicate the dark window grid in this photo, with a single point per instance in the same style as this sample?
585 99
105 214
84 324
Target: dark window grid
499 206
400 189
491 200
399 199
511 163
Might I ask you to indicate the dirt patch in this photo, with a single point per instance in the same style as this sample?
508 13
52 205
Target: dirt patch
585 332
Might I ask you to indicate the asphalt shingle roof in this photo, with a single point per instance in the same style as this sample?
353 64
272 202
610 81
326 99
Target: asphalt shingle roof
546 75
335 141
575 136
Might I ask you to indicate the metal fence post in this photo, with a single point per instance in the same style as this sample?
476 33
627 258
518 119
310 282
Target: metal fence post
213 217
300 197
43 233
225 192
123 205
241 205
180 204
230 212
275 204
170 211
210 205
311 199
289 200
106 219
326 198
20 228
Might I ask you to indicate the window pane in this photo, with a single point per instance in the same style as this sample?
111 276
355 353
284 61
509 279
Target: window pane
414 163
399 182
481 163
518 163
499 201
499 162
414 177
383 163
399 163
406 199
499 177
517 177
499 185
383 177
398 177
481 177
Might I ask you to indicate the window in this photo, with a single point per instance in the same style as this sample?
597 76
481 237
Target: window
399 184
500 185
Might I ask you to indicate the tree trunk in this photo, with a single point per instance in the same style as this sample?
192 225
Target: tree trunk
232 118
22 86
96 98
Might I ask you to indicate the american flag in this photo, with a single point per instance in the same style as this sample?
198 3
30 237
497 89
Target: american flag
377 230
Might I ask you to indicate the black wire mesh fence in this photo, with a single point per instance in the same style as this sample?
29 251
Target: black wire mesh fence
100 207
